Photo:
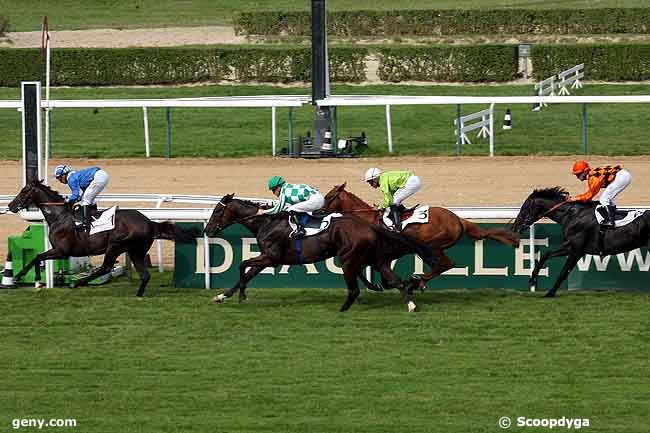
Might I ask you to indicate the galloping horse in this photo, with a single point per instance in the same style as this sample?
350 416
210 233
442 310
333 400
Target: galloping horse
355 242
443 230
133 233
580 229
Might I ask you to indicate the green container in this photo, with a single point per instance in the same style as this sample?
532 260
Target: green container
25 247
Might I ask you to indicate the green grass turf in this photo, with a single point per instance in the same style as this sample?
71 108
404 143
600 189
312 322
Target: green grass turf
27 15
287 361
619 129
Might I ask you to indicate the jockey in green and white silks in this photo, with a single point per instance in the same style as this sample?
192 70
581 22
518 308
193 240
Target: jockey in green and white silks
294 198
396 186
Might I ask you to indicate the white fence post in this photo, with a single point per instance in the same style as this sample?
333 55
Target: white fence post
147 146
389 129
273 138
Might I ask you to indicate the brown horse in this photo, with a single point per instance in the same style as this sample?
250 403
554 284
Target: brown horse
443 230
133 234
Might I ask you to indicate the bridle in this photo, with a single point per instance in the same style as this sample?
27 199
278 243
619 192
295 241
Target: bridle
219 227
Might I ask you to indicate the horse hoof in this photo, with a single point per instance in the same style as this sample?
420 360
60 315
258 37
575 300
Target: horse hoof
219 299
38 286
549 295
412 307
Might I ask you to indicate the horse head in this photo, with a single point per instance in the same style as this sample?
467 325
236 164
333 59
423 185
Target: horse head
537 205
228 211
33 194
340 200
332 199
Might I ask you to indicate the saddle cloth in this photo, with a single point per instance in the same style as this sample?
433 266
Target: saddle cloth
418 215
622 218
314 225
105 222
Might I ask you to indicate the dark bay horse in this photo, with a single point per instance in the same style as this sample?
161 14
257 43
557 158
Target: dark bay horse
357 243
443 230
579 228
133 234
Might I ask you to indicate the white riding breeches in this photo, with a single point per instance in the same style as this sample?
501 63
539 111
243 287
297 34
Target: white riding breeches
96 186
620 182
313 203
412 185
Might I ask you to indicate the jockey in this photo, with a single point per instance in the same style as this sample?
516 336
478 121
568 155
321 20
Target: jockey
613 178
85 185
294 198
396 186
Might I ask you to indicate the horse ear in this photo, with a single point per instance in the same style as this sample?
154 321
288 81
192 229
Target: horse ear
226 198
344 184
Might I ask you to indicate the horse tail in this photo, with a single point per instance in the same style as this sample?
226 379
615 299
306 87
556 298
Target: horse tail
428 254
503 236
172 232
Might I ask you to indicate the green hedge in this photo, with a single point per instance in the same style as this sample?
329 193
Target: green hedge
606 62
451 22
143 66
4 25
448 63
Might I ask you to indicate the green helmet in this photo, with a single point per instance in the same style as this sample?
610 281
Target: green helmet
275 182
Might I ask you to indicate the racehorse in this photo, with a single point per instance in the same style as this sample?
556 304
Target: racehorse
355 242
133 233
579 228
443 230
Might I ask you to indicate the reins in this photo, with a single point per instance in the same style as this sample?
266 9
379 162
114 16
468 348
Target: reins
555 207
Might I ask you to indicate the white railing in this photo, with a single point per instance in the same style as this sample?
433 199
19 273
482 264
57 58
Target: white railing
262 101
471 122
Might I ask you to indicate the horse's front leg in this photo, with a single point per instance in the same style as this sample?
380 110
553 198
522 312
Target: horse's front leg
257 265
54 253
570 263
562 250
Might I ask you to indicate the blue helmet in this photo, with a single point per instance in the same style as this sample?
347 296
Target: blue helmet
60 170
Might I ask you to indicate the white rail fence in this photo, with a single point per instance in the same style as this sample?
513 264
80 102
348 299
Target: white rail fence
469 123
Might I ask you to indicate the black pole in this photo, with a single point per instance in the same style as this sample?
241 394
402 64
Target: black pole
320 73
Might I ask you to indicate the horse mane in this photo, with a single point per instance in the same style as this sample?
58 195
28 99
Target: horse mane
52 194
358 200
556 193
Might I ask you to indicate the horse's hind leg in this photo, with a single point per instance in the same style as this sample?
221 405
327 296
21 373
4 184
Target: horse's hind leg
138 258
393 280
443 265
111 254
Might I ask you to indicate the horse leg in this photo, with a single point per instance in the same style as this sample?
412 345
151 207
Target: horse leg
138 259
36 262
393 280
562 250
570 263
443 265
257 265
350 273
503 236
369 284
111 254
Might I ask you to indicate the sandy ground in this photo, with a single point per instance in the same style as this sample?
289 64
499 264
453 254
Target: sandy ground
115 38
449 182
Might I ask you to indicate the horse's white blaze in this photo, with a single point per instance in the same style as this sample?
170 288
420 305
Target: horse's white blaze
412 306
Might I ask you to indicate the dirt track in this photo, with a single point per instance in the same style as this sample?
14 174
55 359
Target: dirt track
469 181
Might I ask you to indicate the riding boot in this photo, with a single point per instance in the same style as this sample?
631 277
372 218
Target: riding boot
608 217
396 217
300 229
611 212
85 218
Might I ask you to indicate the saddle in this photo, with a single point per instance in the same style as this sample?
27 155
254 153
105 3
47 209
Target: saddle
621 217
406 213
314 224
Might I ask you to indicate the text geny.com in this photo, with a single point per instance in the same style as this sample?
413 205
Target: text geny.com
40 423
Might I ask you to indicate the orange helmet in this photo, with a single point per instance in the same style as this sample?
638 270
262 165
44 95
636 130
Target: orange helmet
579 166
